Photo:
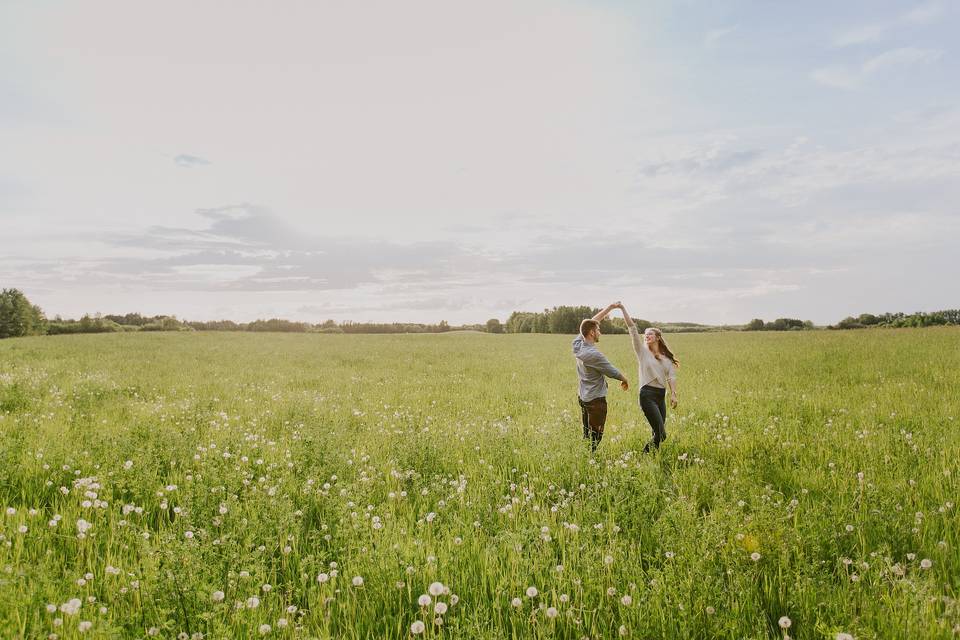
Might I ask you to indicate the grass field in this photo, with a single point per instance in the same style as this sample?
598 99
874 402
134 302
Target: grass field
233 485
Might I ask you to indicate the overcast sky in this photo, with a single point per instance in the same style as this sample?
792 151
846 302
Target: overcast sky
418 161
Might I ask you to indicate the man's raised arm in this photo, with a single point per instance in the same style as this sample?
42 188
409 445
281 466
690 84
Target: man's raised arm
603 314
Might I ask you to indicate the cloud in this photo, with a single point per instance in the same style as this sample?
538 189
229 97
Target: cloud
870 33
852 77
902 57
861 35
189 162
924 13
715 35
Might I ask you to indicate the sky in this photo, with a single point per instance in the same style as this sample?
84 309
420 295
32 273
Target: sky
448 160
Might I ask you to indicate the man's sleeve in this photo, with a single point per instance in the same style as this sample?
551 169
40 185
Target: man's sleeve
599 362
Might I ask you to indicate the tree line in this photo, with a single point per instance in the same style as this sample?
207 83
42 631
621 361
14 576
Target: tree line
19 317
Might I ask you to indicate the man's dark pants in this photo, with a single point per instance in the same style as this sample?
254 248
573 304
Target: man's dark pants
594 416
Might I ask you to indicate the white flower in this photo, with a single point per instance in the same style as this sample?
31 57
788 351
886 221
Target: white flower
440 608
217 596
84 625
755 556
22 528
11 511
358 581
253 602
911 557
322 577
532 592
516 602
424 600
454 599
668 554
710 611
552 612
608 560
626 601
266 588
264 629
417 627
436 588
281 623
188 535
431 516
71 607
83 526
844 636
784 622
926 563
622 630
51 608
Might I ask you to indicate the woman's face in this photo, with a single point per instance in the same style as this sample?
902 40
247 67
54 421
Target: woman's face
650 337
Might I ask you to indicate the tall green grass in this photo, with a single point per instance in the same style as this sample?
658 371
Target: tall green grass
809 476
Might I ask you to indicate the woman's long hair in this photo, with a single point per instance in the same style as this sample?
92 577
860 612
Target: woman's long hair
664 349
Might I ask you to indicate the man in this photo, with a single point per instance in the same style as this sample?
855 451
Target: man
592 369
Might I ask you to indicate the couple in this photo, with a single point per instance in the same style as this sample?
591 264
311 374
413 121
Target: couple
658 370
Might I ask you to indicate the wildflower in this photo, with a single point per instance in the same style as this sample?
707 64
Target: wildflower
358 581
436 588
83 526
454 599
71 607
844 636
84 625
417 627
322 577
11 511
622 630
532 592
440 608
668 554
784 622
516 602
849 528
188 535
424 600
711 611
608 560
755 556
253 602
926 563
281 623
51 608
266 588
264 629
552 612
626 601
217 596
22 528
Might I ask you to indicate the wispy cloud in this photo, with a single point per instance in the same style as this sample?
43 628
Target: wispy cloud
922 14
851 77
713 36
188 161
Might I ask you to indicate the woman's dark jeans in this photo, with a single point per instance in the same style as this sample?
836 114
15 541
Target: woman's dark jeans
654 407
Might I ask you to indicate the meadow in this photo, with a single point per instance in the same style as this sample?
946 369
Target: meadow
227 485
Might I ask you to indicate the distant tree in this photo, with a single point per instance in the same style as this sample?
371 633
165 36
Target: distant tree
443 326
754 325
18 317
494 326
868 319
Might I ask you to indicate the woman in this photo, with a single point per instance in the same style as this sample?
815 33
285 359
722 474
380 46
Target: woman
658 370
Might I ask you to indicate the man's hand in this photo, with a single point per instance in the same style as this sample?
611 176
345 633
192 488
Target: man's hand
673 400
624 385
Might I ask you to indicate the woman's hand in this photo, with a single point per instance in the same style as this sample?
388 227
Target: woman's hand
673 400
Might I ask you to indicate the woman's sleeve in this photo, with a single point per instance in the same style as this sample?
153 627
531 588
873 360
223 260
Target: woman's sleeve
637 341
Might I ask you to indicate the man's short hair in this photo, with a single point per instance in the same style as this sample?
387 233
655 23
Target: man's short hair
587 326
